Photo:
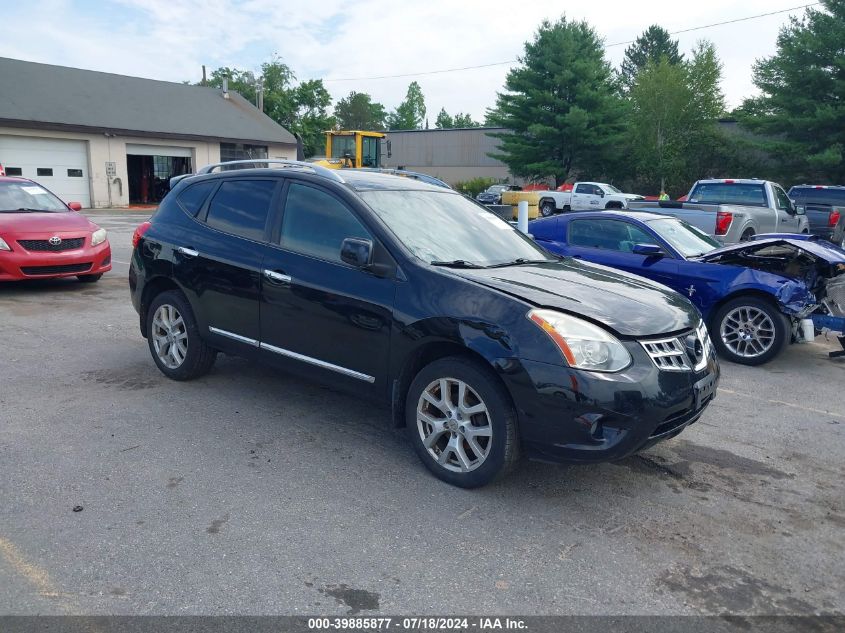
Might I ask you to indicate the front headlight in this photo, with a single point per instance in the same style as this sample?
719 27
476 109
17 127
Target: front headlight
98 237
3 245
582 344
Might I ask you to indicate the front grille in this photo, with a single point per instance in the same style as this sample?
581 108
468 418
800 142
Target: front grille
688 352
668 354
55 270
45 245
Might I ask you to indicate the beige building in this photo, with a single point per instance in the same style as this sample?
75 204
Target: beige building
453 155
109 140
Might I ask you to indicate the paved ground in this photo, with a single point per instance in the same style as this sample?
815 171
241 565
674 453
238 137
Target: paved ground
251 491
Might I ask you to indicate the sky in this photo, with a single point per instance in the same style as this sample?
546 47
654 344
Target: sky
337 40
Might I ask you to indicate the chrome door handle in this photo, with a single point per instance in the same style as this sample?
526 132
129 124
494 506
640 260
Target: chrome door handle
277 277
187 252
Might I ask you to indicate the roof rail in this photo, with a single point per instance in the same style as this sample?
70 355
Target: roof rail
431 180
325 172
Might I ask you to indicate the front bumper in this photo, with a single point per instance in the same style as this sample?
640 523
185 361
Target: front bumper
19 264
570 415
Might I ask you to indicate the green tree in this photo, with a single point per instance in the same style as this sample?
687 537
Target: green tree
301 108
673 122
357 111
654 44
410 114
444 120
802 106
465 120
311 118
560 106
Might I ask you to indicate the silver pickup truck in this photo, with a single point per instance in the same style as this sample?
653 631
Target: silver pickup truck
734 210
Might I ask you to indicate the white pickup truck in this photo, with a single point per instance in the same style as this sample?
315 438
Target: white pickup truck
734 209
585 196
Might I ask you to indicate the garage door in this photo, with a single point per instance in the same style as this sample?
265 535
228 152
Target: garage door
58 164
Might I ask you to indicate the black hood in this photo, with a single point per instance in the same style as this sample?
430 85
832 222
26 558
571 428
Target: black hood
631 306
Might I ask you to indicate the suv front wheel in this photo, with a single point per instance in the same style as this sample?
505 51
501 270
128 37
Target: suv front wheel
461 423
174 339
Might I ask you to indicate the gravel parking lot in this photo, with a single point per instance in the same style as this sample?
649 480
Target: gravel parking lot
252 491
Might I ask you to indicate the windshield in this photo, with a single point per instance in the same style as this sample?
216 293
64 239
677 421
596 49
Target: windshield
446 227
496 188
28 196
686 239
745 194
611 189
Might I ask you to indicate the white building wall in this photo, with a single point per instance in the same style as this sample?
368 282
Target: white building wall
114 192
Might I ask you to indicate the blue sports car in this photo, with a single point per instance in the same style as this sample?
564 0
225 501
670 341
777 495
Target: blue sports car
753 295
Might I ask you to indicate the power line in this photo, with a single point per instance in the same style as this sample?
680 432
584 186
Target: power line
514 61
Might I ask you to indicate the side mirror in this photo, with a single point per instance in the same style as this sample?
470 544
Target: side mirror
648 250
601 194
357 252
74 206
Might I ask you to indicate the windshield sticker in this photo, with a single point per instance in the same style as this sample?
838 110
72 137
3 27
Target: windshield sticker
37 191
494 220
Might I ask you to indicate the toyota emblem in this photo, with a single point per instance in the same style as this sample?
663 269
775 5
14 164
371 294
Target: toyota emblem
55 240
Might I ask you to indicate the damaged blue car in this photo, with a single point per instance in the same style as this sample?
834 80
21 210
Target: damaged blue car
756 297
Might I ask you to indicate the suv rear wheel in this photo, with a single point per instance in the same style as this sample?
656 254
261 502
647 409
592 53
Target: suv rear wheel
174 339
547 208
461 423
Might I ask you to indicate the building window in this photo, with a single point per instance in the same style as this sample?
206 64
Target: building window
44 171
241 151
74 173
14 171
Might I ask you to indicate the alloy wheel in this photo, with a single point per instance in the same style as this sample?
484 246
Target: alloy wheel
454 425
170 336
747 331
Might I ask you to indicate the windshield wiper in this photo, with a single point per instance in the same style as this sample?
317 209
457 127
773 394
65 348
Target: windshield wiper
456 263
519 261
25 210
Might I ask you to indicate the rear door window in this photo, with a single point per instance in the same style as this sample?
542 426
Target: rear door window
241 207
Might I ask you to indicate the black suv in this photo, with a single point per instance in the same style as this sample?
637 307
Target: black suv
485 344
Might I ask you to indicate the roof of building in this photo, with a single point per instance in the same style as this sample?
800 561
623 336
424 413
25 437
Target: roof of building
58 97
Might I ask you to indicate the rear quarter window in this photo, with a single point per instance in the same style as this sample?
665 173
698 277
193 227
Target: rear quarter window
193 197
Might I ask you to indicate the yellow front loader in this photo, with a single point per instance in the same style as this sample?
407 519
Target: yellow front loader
353 148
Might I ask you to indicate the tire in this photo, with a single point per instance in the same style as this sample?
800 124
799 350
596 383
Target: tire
746 236
769 335
492 447
547 208
613 205
191 360
89 279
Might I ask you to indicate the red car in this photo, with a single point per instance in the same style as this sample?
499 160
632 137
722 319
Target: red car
42 237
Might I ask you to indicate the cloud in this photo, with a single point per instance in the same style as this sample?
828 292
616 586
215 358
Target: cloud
171 39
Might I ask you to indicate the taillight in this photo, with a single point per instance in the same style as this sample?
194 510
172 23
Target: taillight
139 232
728 182
723 222
833 219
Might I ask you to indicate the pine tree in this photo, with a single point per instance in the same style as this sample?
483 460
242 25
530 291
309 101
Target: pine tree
654 44
560 106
